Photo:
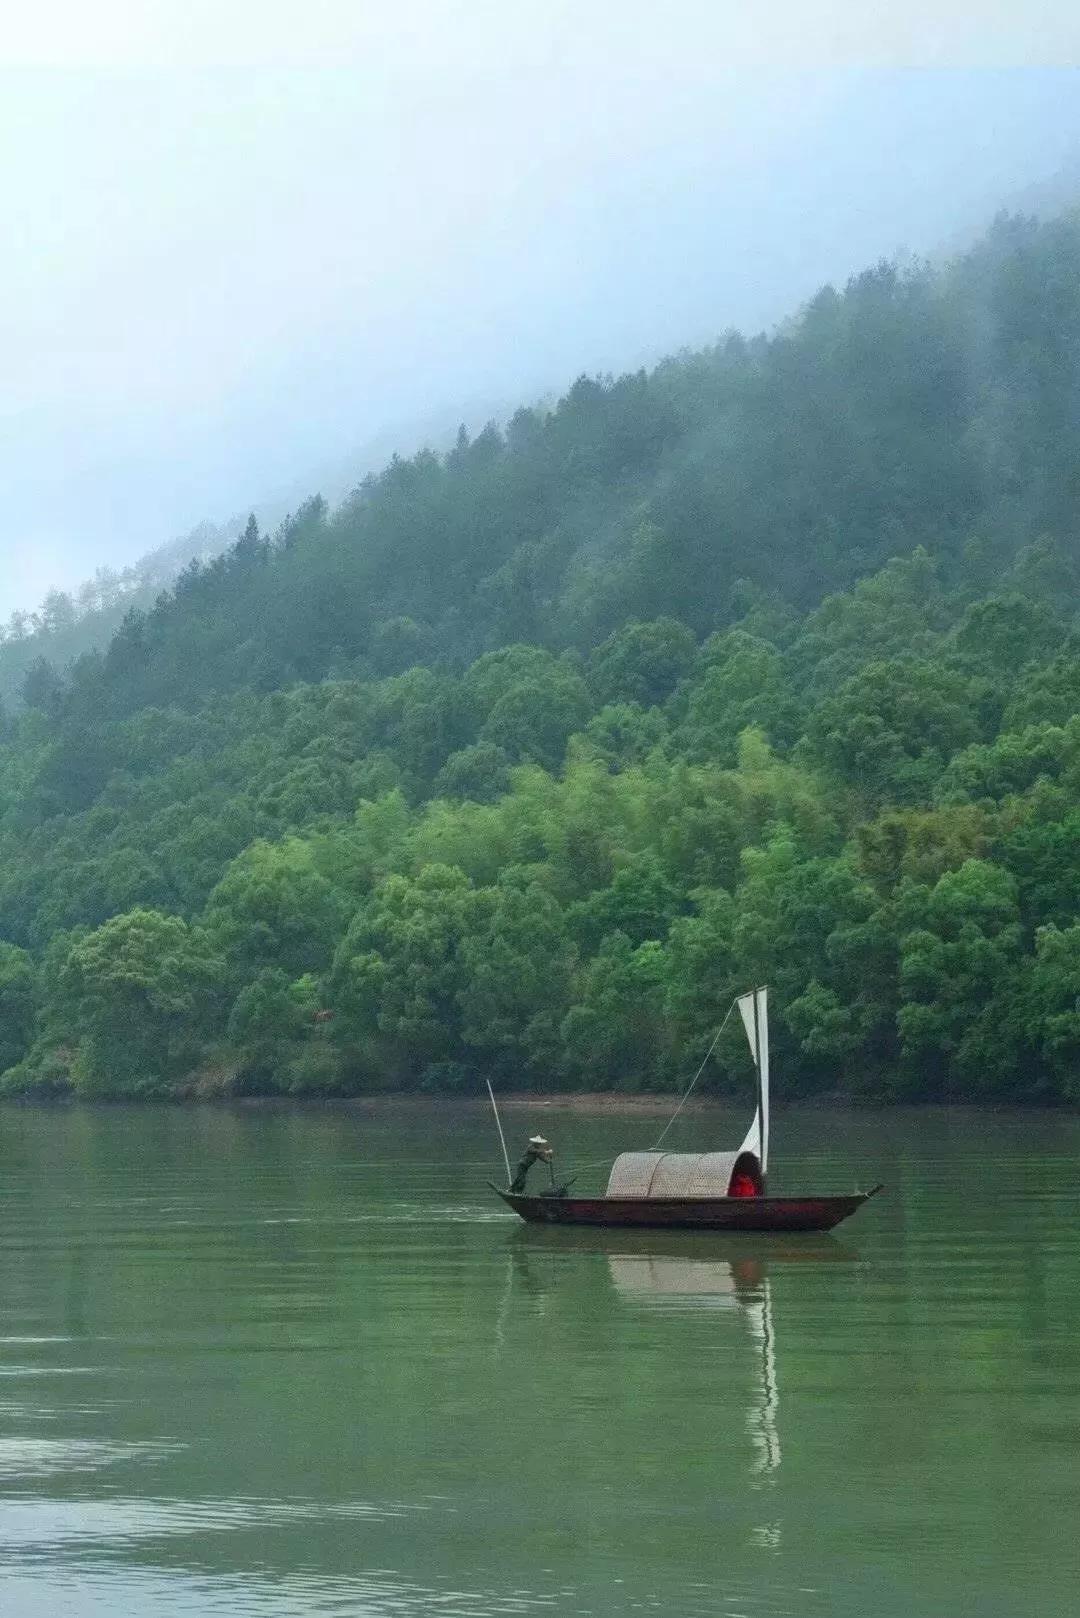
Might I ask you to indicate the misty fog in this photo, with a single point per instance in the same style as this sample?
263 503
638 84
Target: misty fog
222 284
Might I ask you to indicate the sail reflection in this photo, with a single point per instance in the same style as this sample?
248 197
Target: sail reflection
740 1284
762 1420
662 1269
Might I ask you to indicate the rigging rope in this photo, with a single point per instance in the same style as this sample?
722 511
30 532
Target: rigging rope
693 1081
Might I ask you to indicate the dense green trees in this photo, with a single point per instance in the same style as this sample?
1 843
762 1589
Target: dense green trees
1051 1008
958 974
763 666
18 996
135 994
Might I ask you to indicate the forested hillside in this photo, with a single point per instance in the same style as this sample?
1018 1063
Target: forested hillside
761 667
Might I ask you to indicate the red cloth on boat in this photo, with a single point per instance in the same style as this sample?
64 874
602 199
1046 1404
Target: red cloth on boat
742 1185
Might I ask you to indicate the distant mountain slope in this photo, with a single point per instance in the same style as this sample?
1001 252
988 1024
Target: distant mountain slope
69 624
912 408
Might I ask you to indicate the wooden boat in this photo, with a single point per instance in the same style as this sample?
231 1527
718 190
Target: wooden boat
724 1191
690 1213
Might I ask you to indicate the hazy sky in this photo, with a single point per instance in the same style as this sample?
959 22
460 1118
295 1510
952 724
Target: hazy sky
237 251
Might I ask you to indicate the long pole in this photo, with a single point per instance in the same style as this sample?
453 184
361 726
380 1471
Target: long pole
498 1126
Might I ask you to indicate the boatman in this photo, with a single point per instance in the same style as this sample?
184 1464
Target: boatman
538 1151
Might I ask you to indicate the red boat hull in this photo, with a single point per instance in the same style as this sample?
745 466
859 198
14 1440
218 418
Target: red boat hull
690 1213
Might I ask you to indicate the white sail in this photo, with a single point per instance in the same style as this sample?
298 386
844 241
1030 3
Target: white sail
754 1011
640 1176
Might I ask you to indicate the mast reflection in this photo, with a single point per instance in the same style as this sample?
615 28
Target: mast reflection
702 1273
739 1283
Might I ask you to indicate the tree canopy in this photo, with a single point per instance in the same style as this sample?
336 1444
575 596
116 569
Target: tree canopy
763 665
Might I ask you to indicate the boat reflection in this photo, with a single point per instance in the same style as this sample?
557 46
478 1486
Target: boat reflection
692 1254
704 1272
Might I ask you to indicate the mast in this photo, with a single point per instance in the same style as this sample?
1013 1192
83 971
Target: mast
758 1073
761 1015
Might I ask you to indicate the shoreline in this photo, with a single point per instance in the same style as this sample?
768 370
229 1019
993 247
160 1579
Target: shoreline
598 1103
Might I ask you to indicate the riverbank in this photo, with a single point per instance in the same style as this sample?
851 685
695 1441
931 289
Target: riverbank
592 1103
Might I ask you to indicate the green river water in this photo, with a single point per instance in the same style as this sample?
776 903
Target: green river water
301 1363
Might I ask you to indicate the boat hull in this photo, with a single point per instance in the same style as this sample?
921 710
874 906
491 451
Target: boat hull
690 1213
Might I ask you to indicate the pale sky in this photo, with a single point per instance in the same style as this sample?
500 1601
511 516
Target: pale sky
243 241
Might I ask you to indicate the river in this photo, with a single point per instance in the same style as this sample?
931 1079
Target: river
300 1363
